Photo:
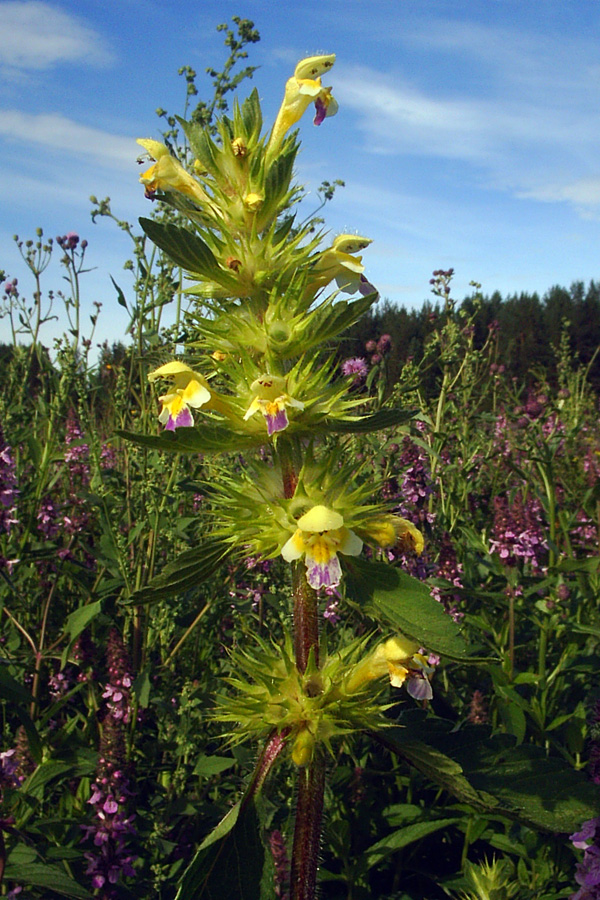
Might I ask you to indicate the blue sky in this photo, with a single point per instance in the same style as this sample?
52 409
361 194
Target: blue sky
468 133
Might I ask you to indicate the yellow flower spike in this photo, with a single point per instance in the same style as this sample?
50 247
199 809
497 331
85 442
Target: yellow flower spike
167 174
320 536
301 90
271 399
189 390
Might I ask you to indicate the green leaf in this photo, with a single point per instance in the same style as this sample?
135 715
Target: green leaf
491 773
76 623
252 114
21 869
49 770
229 863
186 249
211 438
141 687
202 146
207 766
383 418
120 295
188 570
20 698
406 604
406 835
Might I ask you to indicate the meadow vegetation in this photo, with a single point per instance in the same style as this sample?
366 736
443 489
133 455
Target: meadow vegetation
199 698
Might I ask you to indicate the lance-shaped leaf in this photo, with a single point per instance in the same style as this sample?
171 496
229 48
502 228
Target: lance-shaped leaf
251 114
378 421
406 604
211 439
191 568
20 699
203 148
185 248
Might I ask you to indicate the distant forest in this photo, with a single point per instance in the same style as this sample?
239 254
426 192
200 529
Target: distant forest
529 329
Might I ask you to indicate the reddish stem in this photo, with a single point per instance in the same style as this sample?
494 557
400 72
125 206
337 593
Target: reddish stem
306 618
307 834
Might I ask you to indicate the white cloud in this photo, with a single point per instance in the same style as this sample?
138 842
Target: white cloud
38 35
57 132
519 141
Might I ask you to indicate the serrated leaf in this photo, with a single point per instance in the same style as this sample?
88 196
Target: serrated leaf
406 604
252 114
188 570
186 249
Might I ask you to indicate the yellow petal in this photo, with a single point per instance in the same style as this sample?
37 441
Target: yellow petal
294 548
171 368
320 518
399 649
351 243
195 394
314 66
154 148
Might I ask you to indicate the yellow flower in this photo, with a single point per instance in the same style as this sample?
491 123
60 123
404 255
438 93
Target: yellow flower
271 399
189 390
394 531
320 536
400 659
167 174
339 263
301 90
253 202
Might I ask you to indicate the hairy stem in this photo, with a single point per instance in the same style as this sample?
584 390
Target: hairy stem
307 833
306 618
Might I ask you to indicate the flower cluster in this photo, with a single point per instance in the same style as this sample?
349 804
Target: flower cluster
588 870
8 487
113 828
518 531
322 703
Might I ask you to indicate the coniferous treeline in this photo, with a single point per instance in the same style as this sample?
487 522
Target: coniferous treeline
529 329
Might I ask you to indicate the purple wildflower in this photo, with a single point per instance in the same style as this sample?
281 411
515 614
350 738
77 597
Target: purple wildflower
357 367
112 830
518 531
588 870
8 487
